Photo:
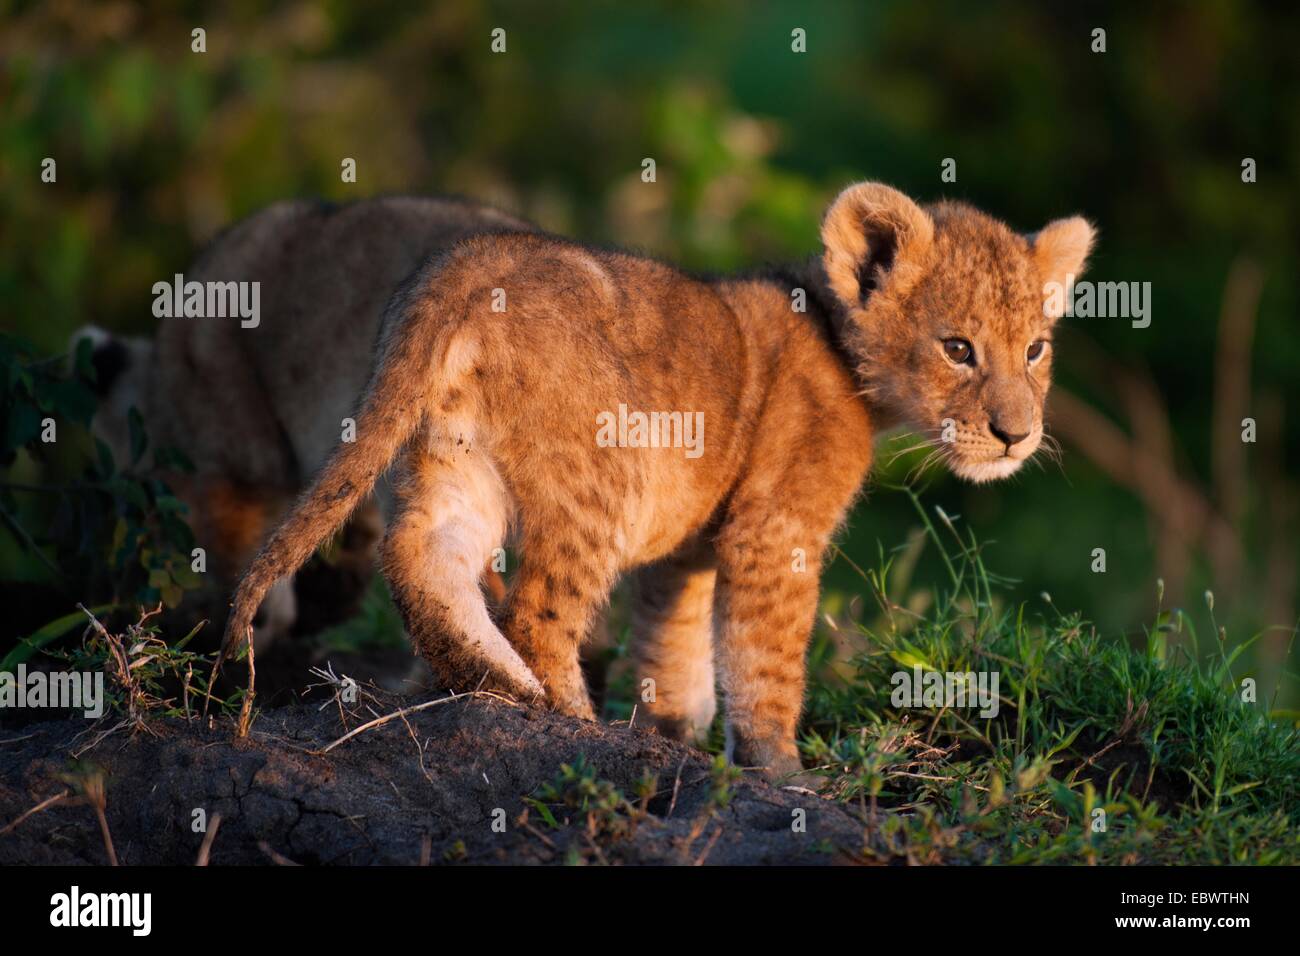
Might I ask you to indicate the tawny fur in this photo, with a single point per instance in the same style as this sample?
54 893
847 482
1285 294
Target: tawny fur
491 417
258 410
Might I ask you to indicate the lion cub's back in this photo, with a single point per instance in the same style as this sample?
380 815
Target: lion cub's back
575 346
325 274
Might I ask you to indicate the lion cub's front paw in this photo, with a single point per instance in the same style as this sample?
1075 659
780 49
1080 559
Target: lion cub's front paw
777 761
569 700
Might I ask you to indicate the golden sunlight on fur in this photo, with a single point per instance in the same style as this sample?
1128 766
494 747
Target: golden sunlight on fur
498 359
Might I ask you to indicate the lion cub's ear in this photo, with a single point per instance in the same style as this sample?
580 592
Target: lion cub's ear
1060 253
876 240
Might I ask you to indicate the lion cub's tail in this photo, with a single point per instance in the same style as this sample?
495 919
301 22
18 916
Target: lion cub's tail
392 409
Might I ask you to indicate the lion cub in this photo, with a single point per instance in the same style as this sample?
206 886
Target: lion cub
283 387
536 391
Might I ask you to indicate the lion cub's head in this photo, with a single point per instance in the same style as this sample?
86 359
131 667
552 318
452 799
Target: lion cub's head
946 318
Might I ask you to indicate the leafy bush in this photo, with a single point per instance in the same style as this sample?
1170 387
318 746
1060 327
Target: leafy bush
99 531
1100 751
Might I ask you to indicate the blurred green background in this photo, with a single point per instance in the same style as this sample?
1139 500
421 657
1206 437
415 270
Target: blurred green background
159 147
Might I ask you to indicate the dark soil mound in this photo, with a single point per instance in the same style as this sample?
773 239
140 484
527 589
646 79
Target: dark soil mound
425 786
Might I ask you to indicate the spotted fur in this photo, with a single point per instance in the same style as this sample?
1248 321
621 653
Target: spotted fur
491 418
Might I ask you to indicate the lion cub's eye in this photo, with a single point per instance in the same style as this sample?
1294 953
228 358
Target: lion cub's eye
1035 350
958 352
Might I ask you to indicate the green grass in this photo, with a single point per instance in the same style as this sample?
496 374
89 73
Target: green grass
1158 736
376 624
1156 733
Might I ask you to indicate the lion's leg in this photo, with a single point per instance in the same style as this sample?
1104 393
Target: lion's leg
672 630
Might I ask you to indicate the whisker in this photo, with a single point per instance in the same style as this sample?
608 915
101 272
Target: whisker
934 457
1052 452
1053 449
895 455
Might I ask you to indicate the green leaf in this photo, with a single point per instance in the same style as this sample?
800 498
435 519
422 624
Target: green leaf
139 441
544 810
82 359
22 424
66 398
28 646
908 656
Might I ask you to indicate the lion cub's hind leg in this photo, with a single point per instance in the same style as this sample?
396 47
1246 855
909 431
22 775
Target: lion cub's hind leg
568 567
452 512
672 633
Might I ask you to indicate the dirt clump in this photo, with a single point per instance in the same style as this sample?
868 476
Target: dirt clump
450 783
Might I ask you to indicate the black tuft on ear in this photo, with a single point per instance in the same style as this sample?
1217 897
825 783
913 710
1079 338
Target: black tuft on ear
874 236
109 359
882 244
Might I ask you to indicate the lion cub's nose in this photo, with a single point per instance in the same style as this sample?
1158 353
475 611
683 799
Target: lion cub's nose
1007 438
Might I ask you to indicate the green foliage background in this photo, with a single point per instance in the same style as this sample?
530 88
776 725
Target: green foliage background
159 147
